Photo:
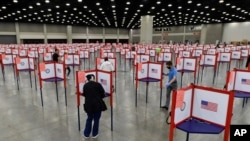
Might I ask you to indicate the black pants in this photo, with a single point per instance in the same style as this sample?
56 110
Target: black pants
68 69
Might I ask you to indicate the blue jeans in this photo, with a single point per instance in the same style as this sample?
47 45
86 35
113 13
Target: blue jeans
88 126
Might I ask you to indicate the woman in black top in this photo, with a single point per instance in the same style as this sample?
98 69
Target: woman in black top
93 93
248 61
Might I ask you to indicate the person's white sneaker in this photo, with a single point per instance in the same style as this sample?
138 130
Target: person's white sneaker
95 136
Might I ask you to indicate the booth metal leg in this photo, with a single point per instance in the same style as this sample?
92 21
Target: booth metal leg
187 137
147 92
17 81
135 97
181 78
3 74
35 83
160 97
202 74
41 92
30 79
78 115
56 92
214 77
111 112
65 93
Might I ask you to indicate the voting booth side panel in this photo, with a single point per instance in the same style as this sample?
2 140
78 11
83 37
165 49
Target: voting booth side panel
24 64
242 81
143 73
59 70
155 71
104 78
183 111
49 71
210 105
189 64
179 63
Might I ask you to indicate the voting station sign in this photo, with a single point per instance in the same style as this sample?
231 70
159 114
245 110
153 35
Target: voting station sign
239 132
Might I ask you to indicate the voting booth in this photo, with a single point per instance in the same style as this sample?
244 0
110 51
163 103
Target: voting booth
164 57
207 60
236 56
238 81
25 64
201 110
7 60
104 78
197 53
186 65
148 72
84 54
47 57
52 72
99 61
224 58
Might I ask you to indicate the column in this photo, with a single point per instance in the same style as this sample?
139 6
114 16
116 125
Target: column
69 34
45 33
87 34
203 34
17 33
118 35
103 35
146 29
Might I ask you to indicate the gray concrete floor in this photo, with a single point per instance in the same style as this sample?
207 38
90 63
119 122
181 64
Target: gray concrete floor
24 119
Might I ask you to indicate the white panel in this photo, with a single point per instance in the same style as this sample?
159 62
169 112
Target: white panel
155 71
23 64
220 99
236 54
104 79
144 72
9 59
224 56
180 65
242 81
59 71
76 60
185 111
49 71
189 64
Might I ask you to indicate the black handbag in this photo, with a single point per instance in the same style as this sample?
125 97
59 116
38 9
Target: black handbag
103 105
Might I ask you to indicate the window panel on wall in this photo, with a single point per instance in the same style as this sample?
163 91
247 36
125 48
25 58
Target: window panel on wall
56 28
78 40
123 31
79 29
110 30
27 27
95 40
123 40
174 29
7 27
110 41
57 40
157 30
8 39
95 30
33 41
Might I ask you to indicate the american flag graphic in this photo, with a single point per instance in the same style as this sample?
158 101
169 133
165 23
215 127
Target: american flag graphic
235 54
245 81
103 82
154 70
209 59
189 64
210 106
59 70
224 56
144 59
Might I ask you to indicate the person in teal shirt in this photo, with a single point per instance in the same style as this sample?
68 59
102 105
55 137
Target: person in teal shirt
171 83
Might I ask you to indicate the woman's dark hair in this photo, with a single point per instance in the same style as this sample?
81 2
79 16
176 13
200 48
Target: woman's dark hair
169 63
89 76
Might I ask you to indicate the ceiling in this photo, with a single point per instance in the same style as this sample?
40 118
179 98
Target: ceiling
124 13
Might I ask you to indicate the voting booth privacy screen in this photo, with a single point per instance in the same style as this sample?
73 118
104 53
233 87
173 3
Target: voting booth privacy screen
206 105
99 61
26 64
238 80
149 70
188 64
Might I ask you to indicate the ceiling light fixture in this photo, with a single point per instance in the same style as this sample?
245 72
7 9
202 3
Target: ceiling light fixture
189 1
169 5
